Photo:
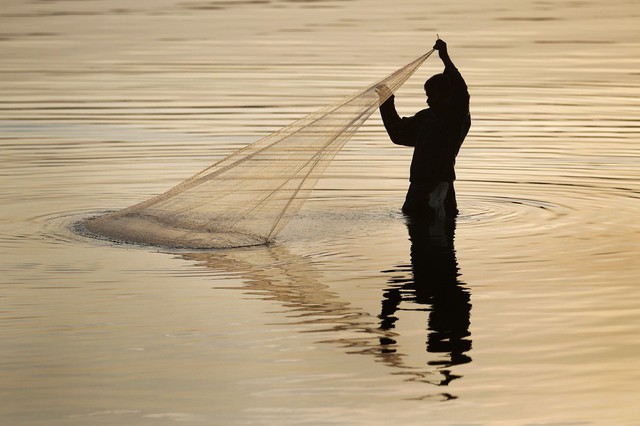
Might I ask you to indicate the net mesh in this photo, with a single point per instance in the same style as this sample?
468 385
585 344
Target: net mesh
247 198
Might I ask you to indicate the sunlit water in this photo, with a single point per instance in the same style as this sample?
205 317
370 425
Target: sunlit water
531 319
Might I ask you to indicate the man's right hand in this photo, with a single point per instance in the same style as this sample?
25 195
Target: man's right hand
440 45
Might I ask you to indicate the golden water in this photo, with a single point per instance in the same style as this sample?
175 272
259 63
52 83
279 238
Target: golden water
105 104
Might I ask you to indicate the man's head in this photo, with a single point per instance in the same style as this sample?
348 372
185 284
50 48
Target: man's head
438 91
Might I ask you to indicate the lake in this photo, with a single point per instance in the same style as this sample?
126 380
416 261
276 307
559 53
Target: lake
528 317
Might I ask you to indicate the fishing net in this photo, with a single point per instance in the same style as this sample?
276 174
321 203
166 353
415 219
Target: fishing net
248 197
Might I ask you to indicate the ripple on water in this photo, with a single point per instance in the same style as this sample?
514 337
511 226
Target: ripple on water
543 209
63 227
483 210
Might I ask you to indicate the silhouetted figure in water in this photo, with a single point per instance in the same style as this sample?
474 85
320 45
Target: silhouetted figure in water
431 280
436 133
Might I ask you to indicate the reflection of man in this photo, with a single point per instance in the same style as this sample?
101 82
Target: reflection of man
433 282
436 133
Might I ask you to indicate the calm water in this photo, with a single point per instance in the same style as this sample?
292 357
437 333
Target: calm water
531 319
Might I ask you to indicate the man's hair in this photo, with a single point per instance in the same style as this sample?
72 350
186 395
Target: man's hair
439 83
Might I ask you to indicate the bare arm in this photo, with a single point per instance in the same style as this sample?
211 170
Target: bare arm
441 47
457 82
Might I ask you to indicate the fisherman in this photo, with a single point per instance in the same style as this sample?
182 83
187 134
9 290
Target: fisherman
436 133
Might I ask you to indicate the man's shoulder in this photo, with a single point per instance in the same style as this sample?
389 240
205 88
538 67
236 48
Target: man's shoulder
425 114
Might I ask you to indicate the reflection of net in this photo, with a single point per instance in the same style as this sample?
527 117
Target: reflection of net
248 197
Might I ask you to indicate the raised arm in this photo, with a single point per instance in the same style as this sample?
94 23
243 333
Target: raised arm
441 47
460 91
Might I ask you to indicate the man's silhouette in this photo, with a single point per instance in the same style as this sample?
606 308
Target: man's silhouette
436 133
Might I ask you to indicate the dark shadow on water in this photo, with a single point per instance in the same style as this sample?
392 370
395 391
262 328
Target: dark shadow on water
430 283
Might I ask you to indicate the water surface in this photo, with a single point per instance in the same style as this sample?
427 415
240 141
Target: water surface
529 317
